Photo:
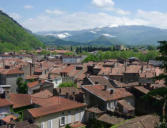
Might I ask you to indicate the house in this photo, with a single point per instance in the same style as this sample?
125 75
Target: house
39 85
9 77
72 59
107 98
4 90
70 93
5 106
20 102
56 81
94 80
55 111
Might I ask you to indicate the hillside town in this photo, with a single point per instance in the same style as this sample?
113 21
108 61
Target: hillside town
108 92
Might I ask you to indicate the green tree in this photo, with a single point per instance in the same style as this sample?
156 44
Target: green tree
21 86
161 93
68 84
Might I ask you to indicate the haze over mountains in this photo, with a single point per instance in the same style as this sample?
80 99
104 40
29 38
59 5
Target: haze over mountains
128 35
14 37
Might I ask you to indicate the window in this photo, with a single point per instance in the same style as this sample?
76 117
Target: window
42 125
49 123
62 121
69 119
77 117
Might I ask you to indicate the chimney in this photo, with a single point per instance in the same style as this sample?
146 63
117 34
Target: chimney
96 82
111 91
105 87
125 66
59 90
67 95
40 81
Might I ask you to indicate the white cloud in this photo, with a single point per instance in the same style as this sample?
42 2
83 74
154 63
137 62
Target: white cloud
55 12
15 16
77 21
154 18
122 12
108 5
28 6
103 3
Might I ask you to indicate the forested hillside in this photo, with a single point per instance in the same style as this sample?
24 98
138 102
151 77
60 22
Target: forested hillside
14 37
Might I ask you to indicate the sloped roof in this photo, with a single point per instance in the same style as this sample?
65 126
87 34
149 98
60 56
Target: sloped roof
98 90
53 105
5 102
43 94
20 100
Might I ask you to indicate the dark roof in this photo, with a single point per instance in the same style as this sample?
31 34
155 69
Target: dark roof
102 80
94 110
110 119
22 124
142 89
146 121
126 105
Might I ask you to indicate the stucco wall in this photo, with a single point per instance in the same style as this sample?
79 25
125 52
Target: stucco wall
71 116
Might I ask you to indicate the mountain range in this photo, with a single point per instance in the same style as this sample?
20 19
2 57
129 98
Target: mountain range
127 35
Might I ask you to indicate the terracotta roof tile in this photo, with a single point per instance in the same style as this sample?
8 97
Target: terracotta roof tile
77 125
8 118
5 102
20 100
43 94
98 90
53 105
35 83
11 71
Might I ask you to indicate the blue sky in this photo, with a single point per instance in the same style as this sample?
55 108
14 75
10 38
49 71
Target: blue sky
46 15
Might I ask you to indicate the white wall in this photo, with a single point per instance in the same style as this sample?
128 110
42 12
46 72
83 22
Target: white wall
71 116
57 82
111 105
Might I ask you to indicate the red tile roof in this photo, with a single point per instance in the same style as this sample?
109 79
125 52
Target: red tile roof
43 94
98 90
20 100
11 71
53 105
31 77
77 125
8 118
35 83
5 102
